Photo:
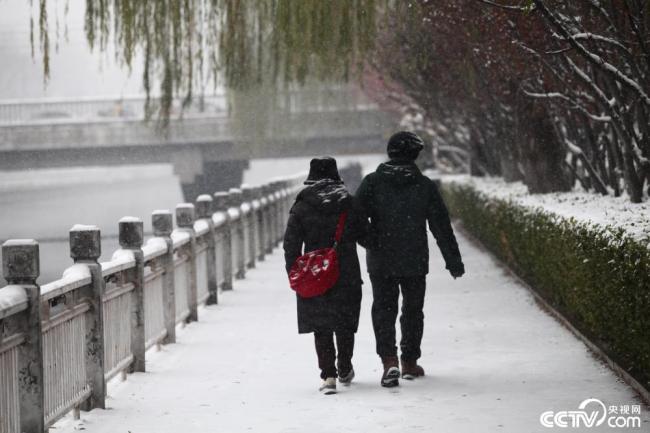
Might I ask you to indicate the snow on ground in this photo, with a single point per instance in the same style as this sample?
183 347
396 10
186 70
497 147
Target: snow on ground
588 207
494 363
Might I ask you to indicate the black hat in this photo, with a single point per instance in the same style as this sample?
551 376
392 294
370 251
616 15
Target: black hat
404 145
321 168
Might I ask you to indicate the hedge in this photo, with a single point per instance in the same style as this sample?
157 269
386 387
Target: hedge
596 276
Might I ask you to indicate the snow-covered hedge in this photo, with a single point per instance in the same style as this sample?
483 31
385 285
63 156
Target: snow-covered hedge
596 273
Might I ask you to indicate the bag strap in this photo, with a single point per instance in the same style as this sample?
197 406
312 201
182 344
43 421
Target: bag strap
339 228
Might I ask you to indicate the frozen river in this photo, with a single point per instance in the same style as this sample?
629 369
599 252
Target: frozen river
44 204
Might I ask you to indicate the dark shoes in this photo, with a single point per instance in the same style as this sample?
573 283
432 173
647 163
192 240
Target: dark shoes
346 379
411 370
390 378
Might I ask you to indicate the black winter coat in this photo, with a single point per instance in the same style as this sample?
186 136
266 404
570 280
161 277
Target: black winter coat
311 226
400 201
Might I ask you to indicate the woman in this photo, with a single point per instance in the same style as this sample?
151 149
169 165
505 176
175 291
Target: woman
312 225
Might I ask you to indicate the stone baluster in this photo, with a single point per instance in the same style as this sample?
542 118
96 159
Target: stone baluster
185 217
259 223
221 204
284 209
163 225
86 248
269 226
277 232
235 200
263 221
251 225
204 211
131 237
21 266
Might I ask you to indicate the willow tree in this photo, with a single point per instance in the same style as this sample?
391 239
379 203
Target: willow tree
240 44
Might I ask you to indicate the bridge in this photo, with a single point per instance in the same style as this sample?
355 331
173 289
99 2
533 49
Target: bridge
199 322
209 143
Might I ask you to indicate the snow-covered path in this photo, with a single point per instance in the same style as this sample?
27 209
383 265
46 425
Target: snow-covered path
494 363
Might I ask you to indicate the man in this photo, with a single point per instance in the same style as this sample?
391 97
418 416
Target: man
400 201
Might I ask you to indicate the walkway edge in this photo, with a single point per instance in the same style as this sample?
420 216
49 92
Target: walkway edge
643 393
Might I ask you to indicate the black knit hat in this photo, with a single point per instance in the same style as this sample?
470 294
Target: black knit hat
404 145
323 167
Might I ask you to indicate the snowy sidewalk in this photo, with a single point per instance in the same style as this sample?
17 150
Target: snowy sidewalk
494 363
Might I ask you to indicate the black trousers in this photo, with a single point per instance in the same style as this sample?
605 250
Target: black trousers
385 292
327 354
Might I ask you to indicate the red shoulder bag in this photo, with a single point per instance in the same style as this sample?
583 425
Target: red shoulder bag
315 272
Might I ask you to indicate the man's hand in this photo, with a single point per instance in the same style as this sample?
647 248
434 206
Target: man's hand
457 270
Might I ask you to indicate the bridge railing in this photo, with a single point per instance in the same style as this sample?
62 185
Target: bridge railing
95 109
61 342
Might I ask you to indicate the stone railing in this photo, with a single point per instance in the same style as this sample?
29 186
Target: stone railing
61 342
98 109
110 109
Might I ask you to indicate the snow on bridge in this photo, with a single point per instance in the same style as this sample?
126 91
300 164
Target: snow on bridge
494 360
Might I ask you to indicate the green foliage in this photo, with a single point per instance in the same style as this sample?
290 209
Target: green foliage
242 44
598 277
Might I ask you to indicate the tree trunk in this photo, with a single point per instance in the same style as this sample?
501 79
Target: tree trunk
543 155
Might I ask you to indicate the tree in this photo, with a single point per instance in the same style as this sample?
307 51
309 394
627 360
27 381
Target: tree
550 91
545 91
241 44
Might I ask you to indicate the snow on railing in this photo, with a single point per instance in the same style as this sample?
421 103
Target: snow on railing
74 277
121 260
154 247
201 227
61 342
12 301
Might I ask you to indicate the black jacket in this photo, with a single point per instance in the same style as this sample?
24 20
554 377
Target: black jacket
400 201
311 226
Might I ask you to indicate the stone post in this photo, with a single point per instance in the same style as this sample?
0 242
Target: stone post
290 197
277 212
269 226
21 266
262 221
86 248
283 212
185 217
259 223
131 237
204 211
235 200
286 202
249 196
221 205
163 225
